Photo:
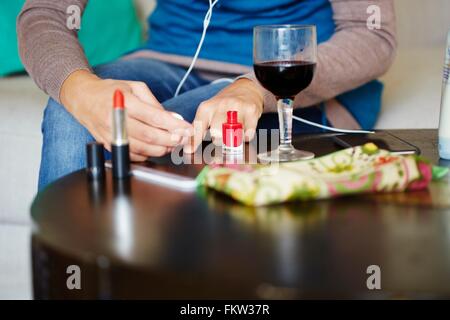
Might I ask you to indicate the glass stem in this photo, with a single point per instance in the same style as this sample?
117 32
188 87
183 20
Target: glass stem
285 108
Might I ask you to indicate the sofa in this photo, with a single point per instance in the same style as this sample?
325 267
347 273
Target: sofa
411 100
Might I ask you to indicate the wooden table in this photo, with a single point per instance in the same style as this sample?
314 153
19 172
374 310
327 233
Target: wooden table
139 240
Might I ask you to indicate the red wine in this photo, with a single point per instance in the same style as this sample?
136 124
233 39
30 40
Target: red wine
285 79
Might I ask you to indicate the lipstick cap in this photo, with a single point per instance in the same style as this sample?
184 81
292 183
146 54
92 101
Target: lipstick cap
95 160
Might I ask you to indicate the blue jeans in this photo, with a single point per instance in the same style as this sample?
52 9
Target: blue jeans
64 138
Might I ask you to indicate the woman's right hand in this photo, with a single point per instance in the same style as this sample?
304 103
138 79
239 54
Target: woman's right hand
152 131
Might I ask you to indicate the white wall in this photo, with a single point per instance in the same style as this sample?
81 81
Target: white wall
413 85
422 22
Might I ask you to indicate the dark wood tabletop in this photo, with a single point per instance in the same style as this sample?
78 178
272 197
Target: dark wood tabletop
139 240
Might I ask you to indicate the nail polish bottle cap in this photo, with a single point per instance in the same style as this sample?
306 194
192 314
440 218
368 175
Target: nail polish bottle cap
95 160
232 130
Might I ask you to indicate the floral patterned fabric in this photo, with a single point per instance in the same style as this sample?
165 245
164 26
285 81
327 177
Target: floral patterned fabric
363 169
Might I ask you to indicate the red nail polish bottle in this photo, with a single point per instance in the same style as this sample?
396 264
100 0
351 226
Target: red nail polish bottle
232 134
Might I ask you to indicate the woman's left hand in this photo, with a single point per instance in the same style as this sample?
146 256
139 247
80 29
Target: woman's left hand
242 96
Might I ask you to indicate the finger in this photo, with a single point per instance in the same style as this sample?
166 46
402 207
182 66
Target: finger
201 124
103 137
143 149
151 135
219 118
107 145
251 117
154 117
141 90
137 158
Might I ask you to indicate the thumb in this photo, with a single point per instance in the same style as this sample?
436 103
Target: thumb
143 93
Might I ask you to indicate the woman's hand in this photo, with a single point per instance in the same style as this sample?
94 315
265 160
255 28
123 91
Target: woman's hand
152 131
243 96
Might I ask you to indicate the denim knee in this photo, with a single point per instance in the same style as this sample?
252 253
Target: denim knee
63 147
186 104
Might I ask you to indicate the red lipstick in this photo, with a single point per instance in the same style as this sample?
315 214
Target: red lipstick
120 145
232 134
119 100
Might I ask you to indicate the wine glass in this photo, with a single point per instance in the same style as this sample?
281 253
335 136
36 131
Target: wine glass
284 60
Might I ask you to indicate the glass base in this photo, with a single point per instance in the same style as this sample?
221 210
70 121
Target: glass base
285 155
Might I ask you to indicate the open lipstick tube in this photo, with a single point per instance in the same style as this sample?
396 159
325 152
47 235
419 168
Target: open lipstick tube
120 145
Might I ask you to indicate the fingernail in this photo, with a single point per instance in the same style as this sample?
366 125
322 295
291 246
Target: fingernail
177 115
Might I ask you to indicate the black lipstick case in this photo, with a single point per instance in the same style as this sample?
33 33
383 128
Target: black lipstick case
121 161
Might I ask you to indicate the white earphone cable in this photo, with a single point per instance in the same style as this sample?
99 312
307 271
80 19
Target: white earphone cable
330 128
206 22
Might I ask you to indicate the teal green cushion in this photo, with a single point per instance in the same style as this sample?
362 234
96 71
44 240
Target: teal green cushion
9 56
108 30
